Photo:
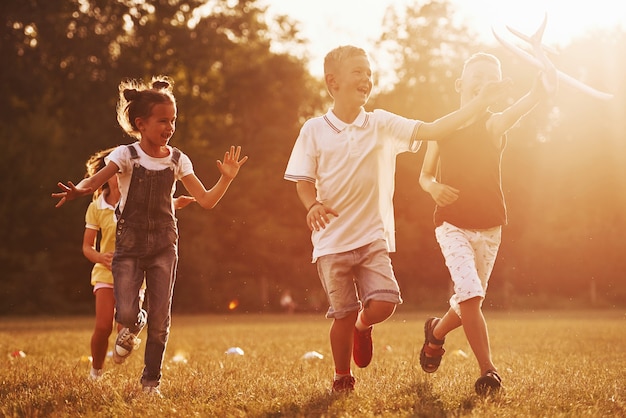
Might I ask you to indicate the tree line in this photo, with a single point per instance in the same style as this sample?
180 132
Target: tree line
563 169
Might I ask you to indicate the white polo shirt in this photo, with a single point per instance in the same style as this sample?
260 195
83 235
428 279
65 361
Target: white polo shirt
353 168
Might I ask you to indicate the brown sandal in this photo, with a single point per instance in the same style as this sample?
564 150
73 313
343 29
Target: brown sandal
490 382
430 358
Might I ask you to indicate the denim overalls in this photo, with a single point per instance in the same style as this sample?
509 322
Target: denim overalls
146 246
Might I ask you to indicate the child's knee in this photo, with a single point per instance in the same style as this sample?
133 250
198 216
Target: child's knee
472 304
377 310
127 316
103 330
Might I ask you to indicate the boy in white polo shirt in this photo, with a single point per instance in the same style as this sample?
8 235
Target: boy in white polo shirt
343 164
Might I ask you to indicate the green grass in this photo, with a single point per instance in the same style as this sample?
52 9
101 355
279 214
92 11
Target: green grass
554 364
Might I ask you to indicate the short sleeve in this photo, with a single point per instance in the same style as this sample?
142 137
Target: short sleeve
121 157
185 166
403 130
91 218
302 164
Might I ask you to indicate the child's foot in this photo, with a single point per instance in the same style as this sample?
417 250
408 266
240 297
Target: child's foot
125 343
362 348
488 383
344 384
95 374
152 391
432 350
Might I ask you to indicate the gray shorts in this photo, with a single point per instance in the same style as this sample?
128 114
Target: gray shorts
352 278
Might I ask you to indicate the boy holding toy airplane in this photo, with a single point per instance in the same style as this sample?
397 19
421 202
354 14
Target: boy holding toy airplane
462 174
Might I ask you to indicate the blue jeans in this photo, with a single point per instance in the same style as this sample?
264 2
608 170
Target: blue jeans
153 255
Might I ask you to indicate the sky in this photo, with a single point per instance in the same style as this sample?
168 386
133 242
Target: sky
330 23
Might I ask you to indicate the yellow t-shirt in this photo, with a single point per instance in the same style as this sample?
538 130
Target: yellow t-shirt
100 216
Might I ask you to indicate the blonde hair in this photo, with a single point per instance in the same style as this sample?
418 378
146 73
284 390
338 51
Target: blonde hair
94 164
482 56
334 58
136 100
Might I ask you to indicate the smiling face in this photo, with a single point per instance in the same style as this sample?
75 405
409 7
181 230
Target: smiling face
157 129
479 70
349 77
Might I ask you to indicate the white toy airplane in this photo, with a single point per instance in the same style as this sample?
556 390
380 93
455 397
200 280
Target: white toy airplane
541 61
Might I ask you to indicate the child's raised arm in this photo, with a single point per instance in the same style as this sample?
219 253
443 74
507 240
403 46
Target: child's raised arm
542 88
86 186
229 170
444 126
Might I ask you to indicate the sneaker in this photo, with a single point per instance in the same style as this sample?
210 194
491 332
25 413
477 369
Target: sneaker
362 348
125 343
152 391
142 319
344 384
95 374
489 383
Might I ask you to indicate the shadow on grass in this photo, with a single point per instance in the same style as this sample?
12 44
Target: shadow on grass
417 399
317 406
427 402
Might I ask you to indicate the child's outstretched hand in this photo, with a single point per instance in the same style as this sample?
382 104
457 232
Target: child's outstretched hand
182 201
69 192
545 84
495 90
231 165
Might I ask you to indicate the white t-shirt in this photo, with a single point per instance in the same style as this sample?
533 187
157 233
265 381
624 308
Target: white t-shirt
121 156
353 168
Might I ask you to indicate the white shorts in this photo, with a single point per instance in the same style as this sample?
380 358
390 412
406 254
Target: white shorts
101 285
470 256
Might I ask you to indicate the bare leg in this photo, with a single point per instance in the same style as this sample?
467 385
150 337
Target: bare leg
475 328
105 306
341 339
377 311
450 321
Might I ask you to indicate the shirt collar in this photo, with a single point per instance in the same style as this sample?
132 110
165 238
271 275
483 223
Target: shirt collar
338 125
103 204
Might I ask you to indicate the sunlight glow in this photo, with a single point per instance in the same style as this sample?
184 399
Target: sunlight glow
566 20
358 22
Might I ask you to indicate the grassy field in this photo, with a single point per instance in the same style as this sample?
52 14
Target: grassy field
554 364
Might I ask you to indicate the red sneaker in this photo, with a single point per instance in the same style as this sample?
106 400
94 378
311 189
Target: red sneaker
362 348
343 384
